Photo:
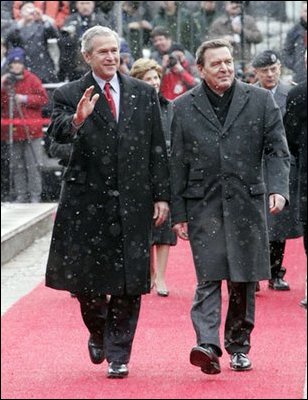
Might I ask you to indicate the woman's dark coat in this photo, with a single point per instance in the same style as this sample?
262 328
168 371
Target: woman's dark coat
102 232
164 234
217 180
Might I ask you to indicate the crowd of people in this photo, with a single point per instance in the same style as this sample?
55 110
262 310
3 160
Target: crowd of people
49 34
159 144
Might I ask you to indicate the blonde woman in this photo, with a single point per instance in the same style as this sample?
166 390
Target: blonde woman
163 237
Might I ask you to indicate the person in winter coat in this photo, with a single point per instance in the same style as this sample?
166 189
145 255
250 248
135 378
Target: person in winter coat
163 237
295 121
56 11
71 63
117 172
220 132
32 32
22 98
295 46
229 26
285 225
177 76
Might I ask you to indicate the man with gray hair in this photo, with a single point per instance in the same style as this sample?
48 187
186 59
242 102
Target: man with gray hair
220 131
118 171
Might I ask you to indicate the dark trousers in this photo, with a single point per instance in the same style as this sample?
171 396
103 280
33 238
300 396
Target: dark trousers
277 249
113 323
206 315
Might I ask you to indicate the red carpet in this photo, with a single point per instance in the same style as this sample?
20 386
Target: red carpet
44 345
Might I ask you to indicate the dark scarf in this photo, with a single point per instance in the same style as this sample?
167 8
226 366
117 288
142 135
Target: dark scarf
220 104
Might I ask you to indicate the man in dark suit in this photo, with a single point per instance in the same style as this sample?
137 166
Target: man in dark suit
284 225
220 131
118 171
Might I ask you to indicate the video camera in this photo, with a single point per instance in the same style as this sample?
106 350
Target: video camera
173 60
12 78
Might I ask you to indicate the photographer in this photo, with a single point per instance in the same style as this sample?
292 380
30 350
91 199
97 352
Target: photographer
33 32
178 74
22 98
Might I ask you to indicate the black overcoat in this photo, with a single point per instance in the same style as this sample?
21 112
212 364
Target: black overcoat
102 231
296 129
217 181
285 225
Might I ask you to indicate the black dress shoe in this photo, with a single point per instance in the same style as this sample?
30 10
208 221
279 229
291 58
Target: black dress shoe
117 370
278 284
96 350
303 303
240 362
163 293
206 358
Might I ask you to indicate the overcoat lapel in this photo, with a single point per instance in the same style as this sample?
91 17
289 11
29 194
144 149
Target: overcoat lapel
202 104
128 100
240 97
101 106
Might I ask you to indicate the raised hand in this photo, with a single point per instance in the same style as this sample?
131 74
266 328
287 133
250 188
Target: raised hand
85 106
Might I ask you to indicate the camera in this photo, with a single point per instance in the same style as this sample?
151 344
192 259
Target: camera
69 30
12 78
173 60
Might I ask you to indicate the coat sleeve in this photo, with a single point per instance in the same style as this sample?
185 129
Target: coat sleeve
276 151
179 171
293 123
61 129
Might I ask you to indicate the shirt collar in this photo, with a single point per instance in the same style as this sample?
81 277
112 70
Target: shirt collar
273 90
114 82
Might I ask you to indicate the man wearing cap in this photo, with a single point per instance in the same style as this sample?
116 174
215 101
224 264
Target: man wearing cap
23 95
284 225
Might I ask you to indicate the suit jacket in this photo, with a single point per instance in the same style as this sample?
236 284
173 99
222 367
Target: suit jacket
217 180
102 232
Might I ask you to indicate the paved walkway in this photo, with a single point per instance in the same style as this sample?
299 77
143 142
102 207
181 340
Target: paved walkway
25 239
23 272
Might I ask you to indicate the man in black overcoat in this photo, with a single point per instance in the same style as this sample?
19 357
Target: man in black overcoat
285 225
296 129
220 133
116 183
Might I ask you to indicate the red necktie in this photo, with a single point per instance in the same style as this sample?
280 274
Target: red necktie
110 100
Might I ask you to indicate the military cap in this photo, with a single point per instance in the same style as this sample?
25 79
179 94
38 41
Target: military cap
265 59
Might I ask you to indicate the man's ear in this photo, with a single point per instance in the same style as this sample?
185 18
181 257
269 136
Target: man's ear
87 57
200 69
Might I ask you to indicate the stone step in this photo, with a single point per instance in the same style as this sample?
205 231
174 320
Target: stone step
21 224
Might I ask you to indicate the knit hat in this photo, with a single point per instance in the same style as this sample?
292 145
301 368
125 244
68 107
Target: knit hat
16 54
